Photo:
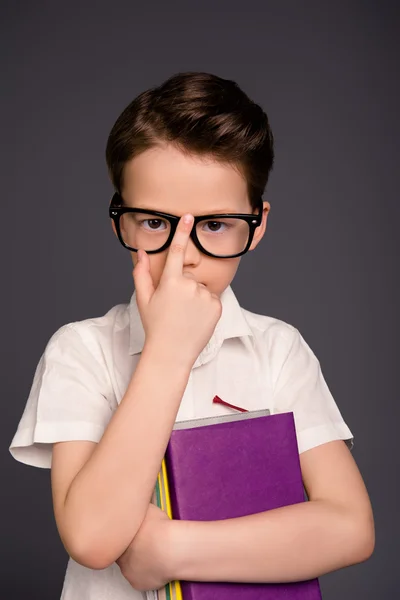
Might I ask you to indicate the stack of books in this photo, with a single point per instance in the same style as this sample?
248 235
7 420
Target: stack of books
225 467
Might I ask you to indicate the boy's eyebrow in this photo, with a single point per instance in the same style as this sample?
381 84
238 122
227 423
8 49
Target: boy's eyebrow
216 211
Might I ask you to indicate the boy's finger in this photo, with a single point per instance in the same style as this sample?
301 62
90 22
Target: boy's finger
144 285
174 263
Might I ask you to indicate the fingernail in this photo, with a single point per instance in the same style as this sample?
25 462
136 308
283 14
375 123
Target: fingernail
139 255
187 219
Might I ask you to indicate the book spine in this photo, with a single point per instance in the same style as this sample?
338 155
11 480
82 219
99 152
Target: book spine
170 465
172 591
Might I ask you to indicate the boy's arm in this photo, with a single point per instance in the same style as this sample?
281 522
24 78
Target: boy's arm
100 511
100 504
333 530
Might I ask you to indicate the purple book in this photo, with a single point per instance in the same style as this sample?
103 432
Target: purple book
231 466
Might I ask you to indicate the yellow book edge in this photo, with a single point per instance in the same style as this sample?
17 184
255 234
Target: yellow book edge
173 590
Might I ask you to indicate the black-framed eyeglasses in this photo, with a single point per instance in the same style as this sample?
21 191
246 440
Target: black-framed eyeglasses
217 235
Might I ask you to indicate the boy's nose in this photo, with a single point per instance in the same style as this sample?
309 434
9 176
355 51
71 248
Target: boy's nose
192 254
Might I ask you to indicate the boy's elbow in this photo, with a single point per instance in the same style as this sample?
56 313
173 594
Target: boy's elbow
92 559
96 556
368 545
89 557
94 546
363 539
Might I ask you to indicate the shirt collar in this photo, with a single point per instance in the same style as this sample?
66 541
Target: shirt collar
232 324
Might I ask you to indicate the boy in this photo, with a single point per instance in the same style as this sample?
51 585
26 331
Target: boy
189 161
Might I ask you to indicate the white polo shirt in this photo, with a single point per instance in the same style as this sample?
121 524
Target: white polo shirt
252 361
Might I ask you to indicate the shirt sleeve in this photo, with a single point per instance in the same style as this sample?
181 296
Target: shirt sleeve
69 400
301 388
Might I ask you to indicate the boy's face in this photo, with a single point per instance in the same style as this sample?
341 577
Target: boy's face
166 180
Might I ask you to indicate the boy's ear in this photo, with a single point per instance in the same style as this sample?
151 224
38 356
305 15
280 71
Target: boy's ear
113 227
259 232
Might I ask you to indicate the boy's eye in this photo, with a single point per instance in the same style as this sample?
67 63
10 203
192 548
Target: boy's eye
215 226
153 224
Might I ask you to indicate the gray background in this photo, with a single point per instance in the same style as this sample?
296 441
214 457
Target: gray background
327 74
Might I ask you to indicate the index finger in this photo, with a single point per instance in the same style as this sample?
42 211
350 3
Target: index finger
176 252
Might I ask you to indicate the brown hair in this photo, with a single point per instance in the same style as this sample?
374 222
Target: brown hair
201 114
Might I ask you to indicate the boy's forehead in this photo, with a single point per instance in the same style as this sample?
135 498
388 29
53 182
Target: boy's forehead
169 180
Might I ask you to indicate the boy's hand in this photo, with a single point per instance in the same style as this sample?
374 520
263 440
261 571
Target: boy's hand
145 563
178 317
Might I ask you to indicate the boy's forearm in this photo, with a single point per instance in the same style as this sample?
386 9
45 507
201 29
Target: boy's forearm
109 497
292 543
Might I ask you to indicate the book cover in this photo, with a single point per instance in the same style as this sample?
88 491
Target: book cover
225 467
